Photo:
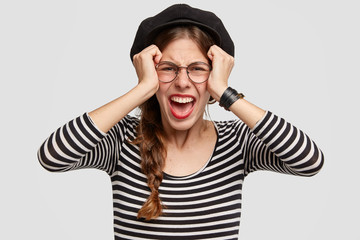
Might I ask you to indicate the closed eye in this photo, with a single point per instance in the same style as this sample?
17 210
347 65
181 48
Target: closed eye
198 67
165 67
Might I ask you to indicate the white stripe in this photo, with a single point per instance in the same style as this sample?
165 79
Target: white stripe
307 158
183 218
65 142
272 129
72 136
50 158
166 210
202 209
291 147
206 177
83 136
129 160
128 204
265 125
285 140
188 226
132 189
205 200
184 234
276 137
88 130
208 183
58 150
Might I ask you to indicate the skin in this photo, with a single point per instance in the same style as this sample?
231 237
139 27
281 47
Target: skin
182 52
190 141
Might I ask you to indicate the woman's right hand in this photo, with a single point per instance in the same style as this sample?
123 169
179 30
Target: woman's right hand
144 63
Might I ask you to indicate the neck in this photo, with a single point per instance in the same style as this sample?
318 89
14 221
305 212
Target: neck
181 138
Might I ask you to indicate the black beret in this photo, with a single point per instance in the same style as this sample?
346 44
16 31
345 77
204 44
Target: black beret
180 14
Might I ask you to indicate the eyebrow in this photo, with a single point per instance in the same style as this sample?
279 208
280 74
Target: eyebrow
185 65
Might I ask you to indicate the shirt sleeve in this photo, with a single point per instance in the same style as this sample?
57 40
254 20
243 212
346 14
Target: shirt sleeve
276 145
80 144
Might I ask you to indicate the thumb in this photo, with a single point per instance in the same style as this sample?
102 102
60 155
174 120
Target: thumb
157 56
210 54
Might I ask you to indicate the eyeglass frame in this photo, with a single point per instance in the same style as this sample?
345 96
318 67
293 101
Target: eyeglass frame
187 72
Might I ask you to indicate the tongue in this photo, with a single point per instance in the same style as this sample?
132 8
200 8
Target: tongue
181 108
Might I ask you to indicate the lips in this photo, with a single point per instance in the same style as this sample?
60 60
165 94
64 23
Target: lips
181 106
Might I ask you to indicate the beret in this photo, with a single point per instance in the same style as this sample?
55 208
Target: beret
182 14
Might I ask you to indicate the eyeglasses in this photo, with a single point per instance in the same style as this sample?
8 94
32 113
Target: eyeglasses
198 72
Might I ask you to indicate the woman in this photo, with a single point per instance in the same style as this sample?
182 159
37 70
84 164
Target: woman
176 175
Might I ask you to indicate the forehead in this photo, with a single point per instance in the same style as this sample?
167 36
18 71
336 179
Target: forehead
183 51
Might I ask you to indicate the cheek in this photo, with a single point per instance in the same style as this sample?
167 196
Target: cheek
203 92
161 95
201 88
161 91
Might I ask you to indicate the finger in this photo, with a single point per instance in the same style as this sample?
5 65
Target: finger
210 53
215 52
151 52
157 55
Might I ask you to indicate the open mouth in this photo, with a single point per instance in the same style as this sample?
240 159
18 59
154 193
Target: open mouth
181 106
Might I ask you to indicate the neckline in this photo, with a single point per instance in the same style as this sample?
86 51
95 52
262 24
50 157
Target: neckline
169 176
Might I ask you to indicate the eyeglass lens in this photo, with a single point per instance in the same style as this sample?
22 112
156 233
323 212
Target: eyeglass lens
198 72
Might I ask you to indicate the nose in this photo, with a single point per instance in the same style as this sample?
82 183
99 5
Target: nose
182 79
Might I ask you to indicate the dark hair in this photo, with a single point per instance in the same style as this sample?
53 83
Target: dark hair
150 133
201 38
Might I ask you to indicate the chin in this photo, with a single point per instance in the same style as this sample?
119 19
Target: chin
183 124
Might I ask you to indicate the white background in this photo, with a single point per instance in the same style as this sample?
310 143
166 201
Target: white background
299 59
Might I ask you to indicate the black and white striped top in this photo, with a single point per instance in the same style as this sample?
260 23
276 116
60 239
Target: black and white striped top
203 205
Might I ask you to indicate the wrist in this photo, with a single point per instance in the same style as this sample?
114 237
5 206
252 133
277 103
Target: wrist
147 89
229 97
218 92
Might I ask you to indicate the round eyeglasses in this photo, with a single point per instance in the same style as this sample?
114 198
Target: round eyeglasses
198 72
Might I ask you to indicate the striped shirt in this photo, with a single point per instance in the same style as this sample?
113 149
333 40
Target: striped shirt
203 205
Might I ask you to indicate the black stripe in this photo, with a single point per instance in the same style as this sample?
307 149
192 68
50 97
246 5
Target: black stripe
91 126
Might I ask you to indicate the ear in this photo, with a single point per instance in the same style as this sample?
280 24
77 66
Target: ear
211 100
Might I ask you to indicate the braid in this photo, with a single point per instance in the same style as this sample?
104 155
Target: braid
153 152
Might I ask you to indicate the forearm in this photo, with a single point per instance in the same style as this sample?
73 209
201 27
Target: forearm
247 112
65 147
282 147
111 113
295 152
244 110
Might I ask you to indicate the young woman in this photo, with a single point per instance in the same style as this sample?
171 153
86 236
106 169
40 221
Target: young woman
174 174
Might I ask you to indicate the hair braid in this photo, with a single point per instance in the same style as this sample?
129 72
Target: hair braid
153 152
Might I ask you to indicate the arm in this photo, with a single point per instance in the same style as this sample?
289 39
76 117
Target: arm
111 113
276 145
218 83
108 115
69 147
83 142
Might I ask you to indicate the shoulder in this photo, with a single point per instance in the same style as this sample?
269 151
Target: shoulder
126 127
131 121
228 126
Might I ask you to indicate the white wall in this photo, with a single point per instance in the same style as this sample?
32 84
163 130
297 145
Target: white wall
299 59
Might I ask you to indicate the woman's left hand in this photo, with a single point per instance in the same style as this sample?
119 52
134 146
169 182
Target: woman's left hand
222 64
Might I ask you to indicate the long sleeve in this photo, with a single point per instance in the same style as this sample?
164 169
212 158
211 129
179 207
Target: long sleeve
80 144
276 145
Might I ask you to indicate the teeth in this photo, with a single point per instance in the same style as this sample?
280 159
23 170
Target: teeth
182 99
